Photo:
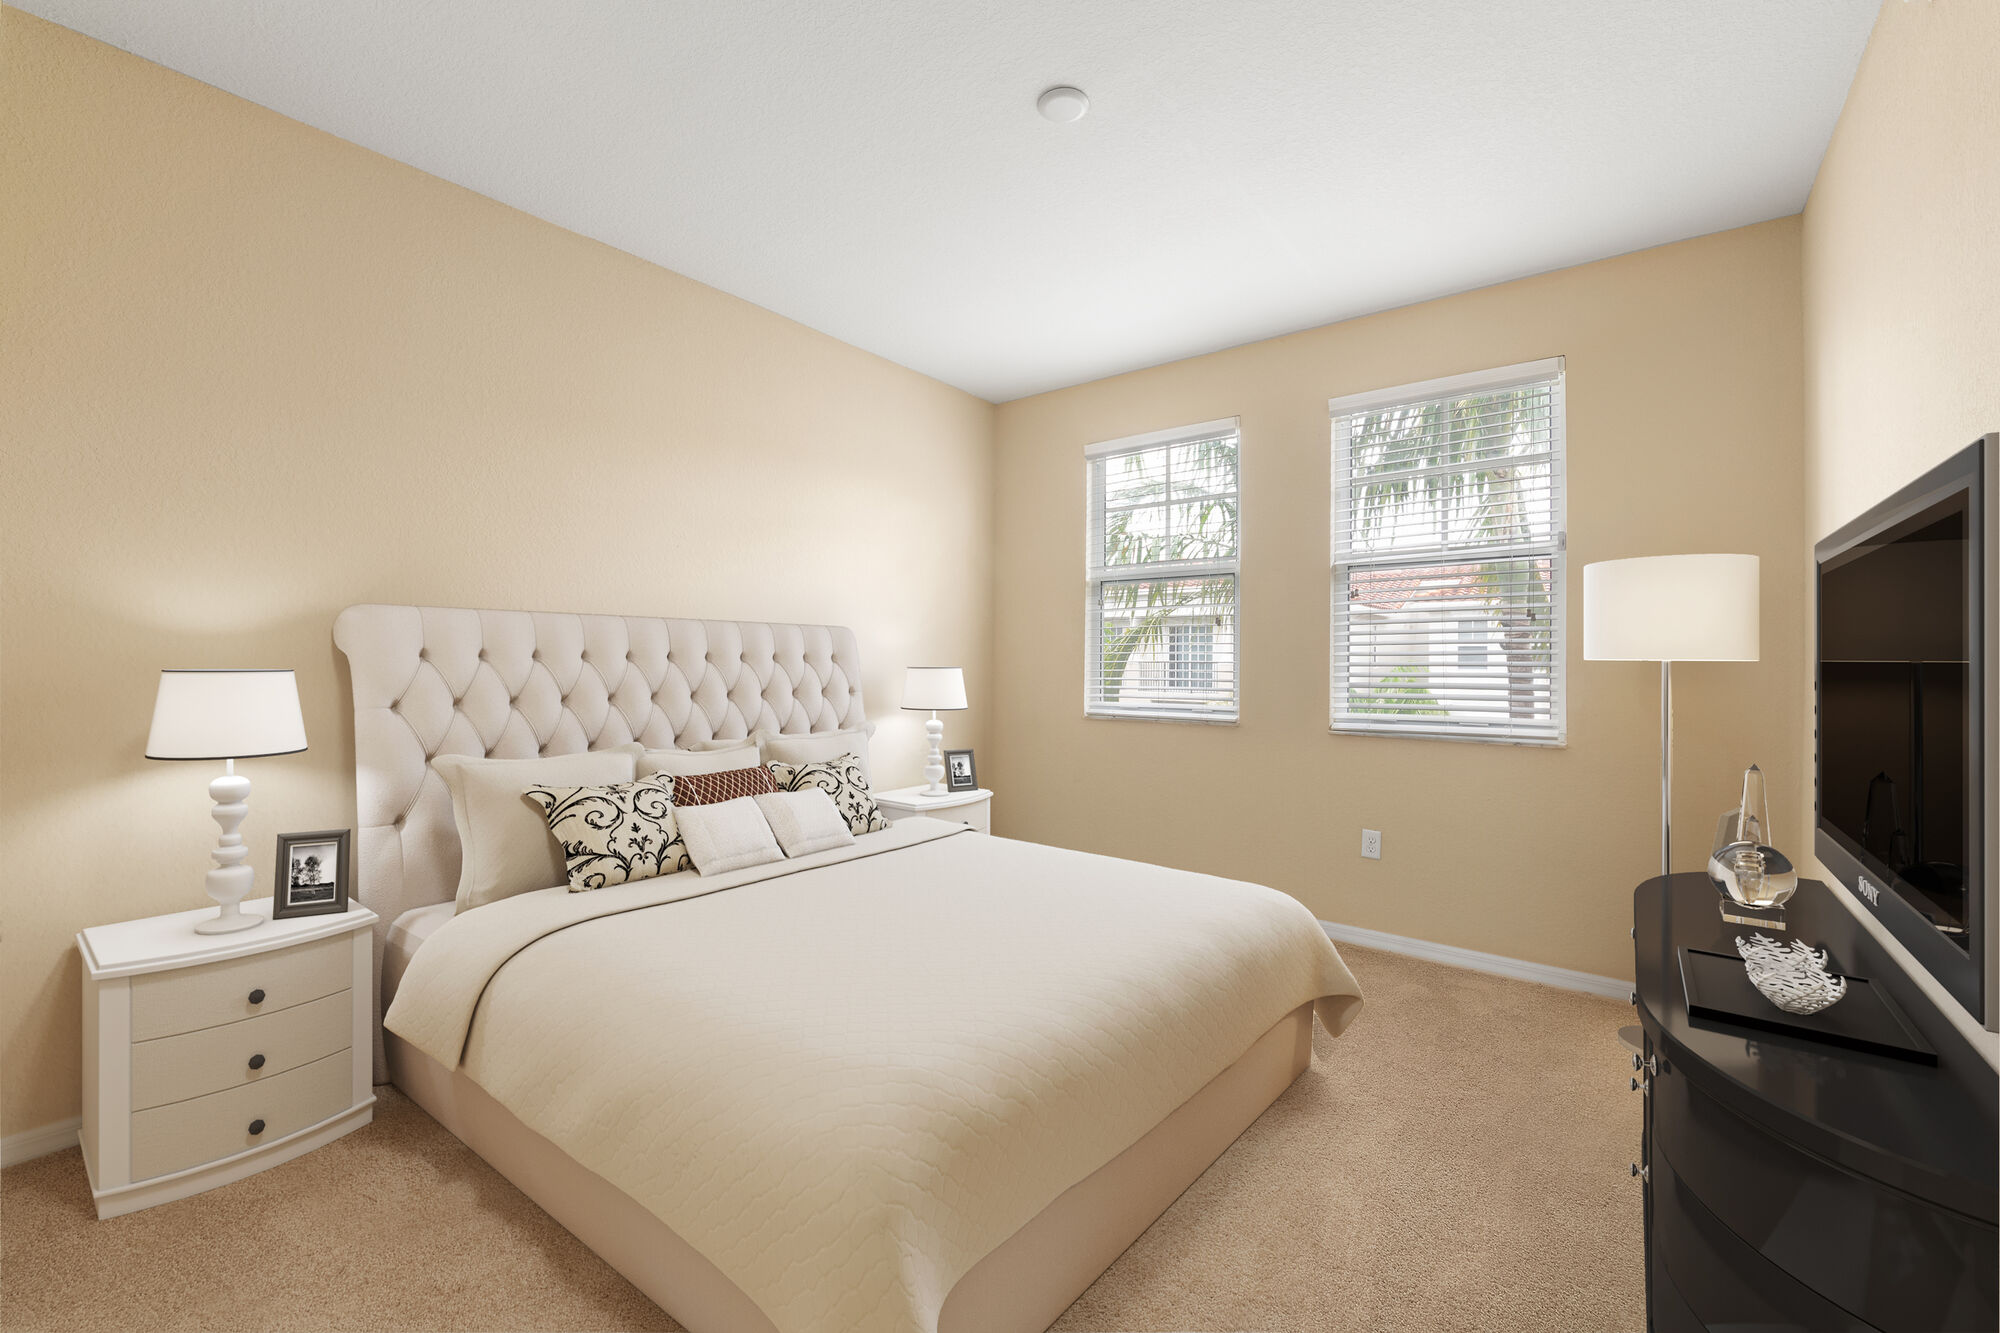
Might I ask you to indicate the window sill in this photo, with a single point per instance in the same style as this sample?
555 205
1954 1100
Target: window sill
1230 720
1457 738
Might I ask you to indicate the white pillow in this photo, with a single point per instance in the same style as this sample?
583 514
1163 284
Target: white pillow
727 835
804 821
503 835
817 748
692 763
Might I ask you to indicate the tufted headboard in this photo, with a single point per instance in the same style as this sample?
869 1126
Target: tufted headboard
516 684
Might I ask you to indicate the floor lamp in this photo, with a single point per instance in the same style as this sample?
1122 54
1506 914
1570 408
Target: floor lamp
1668 609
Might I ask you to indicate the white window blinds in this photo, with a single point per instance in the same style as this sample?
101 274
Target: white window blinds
1448 541
1161 571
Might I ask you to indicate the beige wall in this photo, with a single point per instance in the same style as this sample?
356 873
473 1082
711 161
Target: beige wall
1901 260
253 373
1684 435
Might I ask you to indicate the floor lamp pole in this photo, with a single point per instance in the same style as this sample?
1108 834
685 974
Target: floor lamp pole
1666 767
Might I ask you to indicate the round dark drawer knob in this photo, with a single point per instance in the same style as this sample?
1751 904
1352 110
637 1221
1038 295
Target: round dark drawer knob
257 996
256 1127
257 1061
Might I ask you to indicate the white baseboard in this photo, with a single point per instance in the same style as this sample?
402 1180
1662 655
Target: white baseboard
32 1143
1563 978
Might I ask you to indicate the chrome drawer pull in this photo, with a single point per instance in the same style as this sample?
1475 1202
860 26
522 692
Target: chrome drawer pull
1642 1172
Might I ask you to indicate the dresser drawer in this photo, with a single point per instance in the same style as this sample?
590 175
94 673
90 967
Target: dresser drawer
256 1050
164 1003
1893 1260
183 1134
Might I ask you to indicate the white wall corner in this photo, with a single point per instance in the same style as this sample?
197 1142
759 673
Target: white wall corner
32 1143
1563 978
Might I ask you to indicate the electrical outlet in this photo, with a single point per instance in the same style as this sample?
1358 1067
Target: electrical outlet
1371 843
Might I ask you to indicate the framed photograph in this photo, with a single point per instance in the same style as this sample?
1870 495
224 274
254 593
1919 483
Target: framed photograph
958 771
312 874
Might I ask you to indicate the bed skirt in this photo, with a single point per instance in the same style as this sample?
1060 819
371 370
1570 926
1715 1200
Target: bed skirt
1020 1287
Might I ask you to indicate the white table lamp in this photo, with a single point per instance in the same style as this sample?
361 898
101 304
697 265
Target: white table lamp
227 715
1667 609
934 690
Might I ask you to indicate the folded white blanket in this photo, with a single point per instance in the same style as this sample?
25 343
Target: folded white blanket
849 1077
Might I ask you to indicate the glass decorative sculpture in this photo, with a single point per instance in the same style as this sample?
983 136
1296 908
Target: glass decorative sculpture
1792 976
1750 872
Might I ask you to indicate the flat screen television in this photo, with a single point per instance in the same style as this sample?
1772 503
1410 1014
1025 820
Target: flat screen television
1905 750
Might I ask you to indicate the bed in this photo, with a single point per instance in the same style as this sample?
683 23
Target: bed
931 1081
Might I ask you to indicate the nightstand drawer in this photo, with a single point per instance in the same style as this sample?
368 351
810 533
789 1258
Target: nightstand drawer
972 809
184 1134
256 1050
164 1003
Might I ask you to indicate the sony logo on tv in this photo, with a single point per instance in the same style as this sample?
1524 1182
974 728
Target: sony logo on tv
1868 890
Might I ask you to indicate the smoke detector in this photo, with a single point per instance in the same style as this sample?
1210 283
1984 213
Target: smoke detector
1063 104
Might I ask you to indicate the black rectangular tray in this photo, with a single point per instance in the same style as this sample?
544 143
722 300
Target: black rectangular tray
1864 1019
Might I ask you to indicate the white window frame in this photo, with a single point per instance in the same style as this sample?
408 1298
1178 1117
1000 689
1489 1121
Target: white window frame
1555 549
1097 574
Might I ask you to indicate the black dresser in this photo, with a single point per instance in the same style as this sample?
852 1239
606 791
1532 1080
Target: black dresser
1794 1185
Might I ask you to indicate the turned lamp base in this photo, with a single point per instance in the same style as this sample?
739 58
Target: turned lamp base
231 881
230 918
934 762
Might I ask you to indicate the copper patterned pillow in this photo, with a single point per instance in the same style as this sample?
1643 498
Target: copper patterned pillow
711 788
843 780
613 834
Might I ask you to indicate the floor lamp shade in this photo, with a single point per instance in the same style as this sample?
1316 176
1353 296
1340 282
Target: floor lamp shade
233 714
227 715
1671 608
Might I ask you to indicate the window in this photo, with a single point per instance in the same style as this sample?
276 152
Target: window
1448 541
1472 643
1161 568
1191 655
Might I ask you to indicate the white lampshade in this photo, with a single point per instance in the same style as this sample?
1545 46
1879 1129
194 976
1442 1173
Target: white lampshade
226 714
934 689
1671 608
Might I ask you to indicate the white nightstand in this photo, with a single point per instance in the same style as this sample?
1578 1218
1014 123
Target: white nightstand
974 808
207 1058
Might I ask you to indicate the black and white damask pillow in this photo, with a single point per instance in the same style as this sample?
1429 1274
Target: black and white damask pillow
614 834
843 780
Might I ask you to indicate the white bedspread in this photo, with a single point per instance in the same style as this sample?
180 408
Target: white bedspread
846 1079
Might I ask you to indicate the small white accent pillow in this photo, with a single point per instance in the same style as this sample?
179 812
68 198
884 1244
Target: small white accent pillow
727 835
694 763
821 747
804 821
504 837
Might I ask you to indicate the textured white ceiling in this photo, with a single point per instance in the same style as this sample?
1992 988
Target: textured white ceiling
876 169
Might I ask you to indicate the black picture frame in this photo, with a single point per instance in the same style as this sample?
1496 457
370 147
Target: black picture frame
952 779
289 899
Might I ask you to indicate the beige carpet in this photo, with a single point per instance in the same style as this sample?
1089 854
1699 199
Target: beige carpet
1457 1161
